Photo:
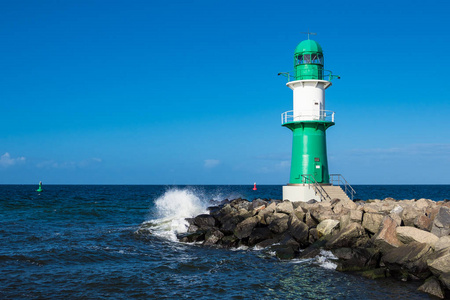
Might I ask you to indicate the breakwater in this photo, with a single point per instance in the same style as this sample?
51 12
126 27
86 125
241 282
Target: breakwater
403 239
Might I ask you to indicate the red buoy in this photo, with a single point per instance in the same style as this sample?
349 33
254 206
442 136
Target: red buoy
254 186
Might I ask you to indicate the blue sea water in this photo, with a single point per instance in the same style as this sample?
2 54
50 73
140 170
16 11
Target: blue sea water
83 242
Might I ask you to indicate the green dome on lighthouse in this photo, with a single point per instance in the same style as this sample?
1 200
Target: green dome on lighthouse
308 46
308 61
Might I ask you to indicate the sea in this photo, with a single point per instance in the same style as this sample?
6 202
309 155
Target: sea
85 242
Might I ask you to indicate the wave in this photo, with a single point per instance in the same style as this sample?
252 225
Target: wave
171 209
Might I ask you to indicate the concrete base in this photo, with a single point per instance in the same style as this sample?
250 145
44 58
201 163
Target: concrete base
303 192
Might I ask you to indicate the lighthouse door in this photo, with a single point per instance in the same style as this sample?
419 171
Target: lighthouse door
318 171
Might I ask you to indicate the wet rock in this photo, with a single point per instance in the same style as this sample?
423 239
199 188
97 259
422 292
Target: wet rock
229 241
258 203
244 228
351 236
441 224
267 243
212 237
432 287
204 221
410 258
408 234
327 227
284 252
313 235
192 228
310 221
445 280
375 273
197 236
258 235
357 259
372 222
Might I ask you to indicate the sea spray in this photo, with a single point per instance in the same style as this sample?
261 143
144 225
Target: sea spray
172 208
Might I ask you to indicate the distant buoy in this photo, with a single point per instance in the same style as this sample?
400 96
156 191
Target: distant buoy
40 187
254 186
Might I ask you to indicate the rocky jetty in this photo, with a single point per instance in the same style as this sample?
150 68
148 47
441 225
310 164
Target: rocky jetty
403 239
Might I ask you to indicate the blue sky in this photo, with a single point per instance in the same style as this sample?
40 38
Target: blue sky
187 92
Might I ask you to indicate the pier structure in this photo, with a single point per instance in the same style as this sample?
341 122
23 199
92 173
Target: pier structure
308 121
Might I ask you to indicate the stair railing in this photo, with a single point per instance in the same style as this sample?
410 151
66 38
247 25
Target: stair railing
338 179
309 178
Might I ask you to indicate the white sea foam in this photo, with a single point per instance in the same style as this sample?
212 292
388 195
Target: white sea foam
325 259
172 208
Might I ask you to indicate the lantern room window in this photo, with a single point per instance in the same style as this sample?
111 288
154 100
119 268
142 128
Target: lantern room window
309 59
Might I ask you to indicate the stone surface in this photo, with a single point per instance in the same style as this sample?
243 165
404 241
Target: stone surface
258 235
442 243
351 236
386 239
298 230
279 223
285 207
212 237
439 262
204 221
408 234
441 224
432 287
372 221
244 228
327 227
423 222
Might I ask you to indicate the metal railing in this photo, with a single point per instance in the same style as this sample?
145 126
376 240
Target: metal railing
326 75
309 178
322 115
338 179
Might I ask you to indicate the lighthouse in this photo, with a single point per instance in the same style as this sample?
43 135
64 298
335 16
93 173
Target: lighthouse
309 120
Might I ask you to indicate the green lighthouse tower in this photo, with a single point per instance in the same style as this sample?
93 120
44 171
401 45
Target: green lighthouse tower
308 122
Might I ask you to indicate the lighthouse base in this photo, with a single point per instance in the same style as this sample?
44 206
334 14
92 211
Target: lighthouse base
300 192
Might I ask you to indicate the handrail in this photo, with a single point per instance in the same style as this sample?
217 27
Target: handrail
321 115
325 73
309 178
340 180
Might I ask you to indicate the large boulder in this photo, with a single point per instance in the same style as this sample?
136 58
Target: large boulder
327 227
212 237
410 214
442 243
356 259
408 234
351 236
279 223
441 224
372 222
298 230
204 221
258 235
410 258
439 262
432 287
285 207
386 239
244 228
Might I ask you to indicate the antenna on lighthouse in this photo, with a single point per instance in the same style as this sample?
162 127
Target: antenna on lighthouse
309 33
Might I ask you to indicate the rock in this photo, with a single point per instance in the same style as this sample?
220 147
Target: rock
410 258
258 235
344 221
257 203
266 243
192 237
313 236
279 223
229 241
408 234
375 273
351 236
396 214
445 280
244 228
422 204
241 204
372 221
327 227
423 222
285 207
409 215
287 240
386 239
442 243
300 213
204 221
212 237
192 228
441 224
357 259
310 221
323 212
439 262
283 252
432 287
298 230
356 215
229 225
